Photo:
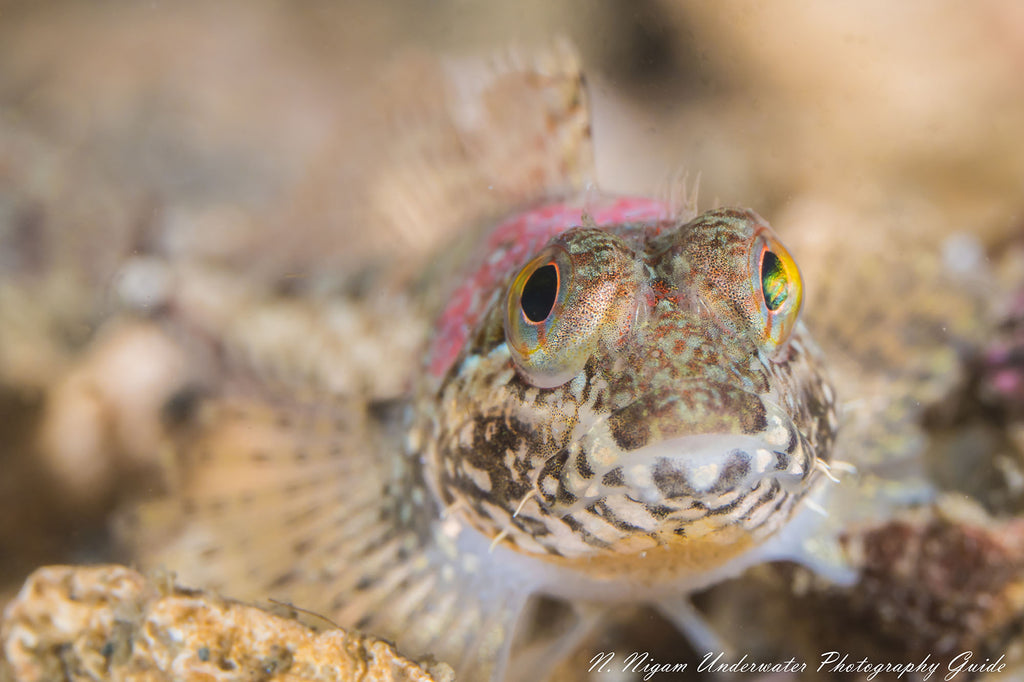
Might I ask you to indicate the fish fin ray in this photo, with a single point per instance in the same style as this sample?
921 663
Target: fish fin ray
297 503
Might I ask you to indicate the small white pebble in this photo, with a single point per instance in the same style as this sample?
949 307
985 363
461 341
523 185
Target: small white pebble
144 283
963 254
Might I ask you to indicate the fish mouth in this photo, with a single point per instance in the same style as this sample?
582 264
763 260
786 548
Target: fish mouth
710 469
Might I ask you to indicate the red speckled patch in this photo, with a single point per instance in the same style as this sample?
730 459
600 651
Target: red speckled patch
509 246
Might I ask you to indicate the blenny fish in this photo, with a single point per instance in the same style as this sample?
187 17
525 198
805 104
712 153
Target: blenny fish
621 405
577 400
619 402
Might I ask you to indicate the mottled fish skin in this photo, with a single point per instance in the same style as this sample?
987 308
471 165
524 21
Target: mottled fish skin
682 435
682 438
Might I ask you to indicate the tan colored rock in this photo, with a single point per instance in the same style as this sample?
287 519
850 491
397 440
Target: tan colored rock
111 623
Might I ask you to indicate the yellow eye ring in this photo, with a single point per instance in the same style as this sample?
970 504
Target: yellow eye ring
534 326
535 299
538 292
778 285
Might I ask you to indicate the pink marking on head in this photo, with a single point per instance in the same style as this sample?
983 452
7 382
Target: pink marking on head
509 246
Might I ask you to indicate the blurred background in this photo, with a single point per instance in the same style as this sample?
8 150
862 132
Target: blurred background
268 135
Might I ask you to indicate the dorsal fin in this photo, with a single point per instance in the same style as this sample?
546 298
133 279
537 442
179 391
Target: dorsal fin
447 145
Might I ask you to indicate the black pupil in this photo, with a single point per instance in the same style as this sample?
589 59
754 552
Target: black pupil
539 293
773 281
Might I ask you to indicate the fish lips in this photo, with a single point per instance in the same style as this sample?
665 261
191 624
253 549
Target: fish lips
683 465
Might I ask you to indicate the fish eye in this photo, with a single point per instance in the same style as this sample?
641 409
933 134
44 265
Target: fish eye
535 328
578 292
778 287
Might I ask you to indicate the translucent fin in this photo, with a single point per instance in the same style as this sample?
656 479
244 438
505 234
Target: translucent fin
689 621
680 192
311 504
524 117
447 144
536 656
822 554
811 537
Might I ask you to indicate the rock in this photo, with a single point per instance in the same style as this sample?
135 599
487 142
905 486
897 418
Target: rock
112 623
